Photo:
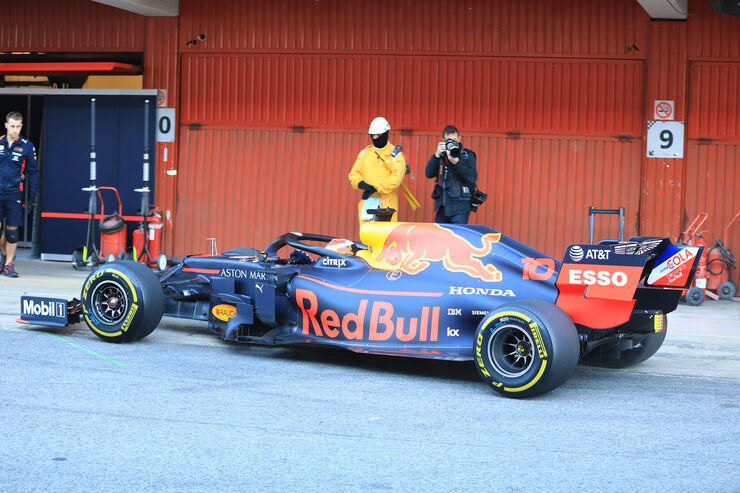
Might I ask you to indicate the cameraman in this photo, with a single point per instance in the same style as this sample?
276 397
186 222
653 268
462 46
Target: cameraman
454 168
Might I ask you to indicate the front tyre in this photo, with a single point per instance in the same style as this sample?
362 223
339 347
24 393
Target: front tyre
526 348
122 301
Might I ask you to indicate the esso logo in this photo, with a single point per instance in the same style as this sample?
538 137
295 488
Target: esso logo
602 277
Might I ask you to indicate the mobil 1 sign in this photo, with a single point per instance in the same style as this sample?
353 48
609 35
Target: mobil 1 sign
165 124
665 139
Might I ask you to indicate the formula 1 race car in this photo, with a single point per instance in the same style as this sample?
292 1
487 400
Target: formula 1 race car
456 292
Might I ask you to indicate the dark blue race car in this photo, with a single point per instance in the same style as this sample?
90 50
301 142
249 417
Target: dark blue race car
457 292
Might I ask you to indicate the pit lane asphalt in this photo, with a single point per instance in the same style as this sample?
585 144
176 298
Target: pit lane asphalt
182 410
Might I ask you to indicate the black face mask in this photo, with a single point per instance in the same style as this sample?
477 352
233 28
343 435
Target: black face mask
381 141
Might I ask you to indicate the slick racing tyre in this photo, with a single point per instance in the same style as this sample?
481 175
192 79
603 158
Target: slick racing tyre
614 355
122 301
526 348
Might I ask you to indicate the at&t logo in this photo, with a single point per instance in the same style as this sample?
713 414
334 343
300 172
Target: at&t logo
576 253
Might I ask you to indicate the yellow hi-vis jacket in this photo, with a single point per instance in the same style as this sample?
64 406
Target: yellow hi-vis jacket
378 168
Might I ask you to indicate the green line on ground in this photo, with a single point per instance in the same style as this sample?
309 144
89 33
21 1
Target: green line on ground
88 351
115 362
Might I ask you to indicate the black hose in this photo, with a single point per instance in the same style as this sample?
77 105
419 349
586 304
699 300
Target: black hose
726 257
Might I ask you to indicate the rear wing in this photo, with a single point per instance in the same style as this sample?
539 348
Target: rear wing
599 286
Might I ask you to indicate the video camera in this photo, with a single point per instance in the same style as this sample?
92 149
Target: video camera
454 147
477 199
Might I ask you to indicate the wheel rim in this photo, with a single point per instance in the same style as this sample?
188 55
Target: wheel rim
725 290
109 302
511 350
696 296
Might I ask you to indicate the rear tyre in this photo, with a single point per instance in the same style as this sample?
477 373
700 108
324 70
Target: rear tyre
615 355
695 296
526 348
122 301
726 290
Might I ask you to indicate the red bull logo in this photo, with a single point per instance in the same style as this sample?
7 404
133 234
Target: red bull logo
411 248
381 325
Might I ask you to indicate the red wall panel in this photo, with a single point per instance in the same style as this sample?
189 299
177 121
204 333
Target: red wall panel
533 95
663 179
711 34
161 72
70 25
714 101
713 158
239 108
278 128
245 187
713 186
577 27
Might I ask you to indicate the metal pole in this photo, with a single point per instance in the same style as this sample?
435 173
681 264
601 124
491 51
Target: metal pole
36 216
89 253
93 164
144 190
593 211
30 224
591 225
146 144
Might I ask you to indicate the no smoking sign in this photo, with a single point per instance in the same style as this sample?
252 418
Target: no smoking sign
663 110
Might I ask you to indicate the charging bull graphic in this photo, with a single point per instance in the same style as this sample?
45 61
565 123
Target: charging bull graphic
411 247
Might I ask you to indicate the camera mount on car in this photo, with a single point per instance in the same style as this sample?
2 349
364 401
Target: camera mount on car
383 214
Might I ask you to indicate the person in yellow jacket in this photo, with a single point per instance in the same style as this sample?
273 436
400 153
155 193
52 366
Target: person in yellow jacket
377 172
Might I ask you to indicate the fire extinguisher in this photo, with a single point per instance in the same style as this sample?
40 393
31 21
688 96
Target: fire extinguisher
147 240
695 295
700 279
155 233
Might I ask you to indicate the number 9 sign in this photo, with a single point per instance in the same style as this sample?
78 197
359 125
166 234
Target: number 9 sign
665 139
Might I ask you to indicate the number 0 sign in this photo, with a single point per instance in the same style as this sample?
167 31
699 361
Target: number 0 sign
165 125
665 139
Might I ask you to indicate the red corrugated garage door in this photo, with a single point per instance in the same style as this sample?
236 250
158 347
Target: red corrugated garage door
271 123
713 150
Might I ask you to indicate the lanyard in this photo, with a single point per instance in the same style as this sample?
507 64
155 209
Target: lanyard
442 175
